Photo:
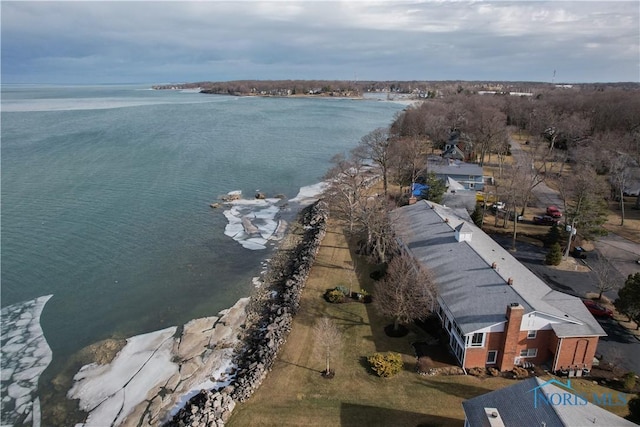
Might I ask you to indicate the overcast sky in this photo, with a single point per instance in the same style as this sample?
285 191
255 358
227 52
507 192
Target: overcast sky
157 42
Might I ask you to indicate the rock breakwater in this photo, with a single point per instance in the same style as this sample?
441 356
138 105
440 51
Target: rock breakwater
270 314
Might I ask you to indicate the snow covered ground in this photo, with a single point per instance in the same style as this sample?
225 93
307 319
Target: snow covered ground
154 375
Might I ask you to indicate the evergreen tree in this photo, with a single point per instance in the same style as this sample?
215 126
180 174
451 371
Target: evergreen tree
436 188
553 236
628 301
478 215
554 256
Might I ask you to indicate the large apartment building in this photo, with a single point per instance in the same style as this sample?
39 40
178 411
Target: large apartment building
496 312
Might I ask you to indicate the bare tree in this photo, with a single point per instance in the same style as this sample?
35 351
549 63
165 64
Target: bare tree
375 146
407 158
376 223
406 293
486 125
606 277
328 338
516 191
348 185
619 153
583 195
620 174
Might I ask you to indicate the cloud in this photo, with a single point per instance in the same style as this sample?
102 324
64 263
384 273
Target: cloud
212 40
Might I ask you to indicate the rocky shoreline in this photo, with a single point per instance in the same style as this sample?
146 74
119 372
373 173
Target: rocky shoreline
269 317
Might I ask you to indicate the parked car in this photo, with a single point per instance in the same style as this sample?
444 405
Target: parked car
512 215
554 212
497 206
597 309
579 252
545 220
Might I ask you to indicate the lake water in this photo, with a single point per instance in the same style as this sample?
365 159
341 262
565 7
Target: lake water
106 194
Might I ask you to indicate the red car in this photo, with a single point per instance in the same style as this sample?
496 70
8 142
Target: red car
597 309
553 211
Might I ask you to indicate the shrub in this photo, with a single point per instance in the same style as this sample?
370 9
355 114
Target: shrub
344 290
334 296
424 364
520 373
493 372
634 409
477 372
386 364
629 381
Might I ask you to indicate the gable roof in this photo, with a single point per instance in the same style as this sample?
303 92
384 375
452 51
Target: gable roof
454 152
517 406
456 168
477 294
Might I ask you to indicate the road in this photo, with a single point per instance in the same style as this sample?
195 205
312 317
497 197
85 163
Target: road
619 346
545 196
622 254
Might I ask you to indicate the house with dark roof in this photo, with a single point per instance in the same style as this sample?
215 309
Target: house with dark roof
535 402
495 311
458 147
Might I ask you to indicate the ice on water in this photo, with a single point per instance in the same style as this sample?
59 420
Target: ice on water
25 355
254 223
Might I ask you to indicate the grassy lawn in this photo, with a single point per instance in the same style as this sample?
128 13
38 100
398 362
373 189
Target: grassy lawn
631 228
295 393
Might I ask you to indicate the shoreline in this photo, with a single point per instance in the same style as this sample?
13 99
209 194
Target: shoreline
268 321
161 377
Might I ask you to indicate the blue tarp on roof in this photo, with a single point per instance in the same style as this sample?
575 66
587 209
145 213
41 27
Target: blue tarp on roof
418 190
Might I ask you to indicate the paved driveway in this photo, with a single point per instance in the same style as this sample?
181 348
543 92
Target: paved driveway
621 253
619 347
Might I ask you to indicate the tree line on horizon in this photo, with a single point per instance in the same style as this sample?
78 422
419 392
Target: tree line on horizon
424 88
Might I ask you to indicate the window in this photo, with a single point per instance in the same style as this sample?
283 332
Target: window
531 335
471 185
492 356
477 340
529 352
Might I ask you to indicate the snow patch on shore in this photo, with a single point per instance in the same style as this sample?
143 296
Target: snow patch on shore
110 392
309 194
155 374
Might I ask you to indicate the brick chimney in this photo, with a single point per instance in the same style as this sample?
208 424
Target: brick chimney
511 336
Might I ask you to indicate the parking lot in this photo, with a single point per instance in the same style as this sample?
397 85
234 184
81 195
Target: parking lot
619 346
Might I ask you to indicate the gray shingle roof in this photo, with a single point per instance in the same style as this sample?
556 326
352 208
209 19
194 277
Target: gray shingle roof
461 168
517 406
476 294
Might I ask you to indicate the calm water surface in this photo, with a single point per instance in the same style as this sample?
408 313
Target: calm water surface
106 193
